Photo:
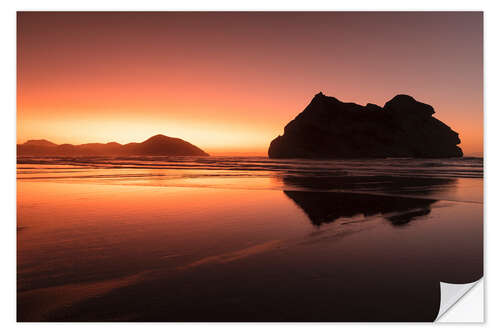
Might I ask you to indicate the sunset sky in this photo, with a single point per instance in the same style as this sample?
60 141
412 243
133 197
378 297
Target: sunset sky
229 82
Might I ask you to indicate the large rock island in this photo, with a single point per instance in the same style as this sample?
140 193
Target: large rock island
158 145
329 128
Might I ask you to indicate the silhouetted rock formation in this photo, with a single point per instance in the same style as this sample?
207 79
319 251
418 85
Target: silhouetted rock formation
158 145
329 128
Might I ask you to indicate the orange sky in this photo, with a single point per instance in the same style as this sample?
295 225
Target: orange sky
230 82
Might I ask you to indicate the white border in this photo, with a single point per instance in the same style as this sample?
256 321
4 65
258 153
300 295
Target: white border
492 167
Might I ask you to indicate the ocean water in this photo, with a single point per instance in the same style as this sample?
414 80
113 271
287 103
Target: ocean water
244 239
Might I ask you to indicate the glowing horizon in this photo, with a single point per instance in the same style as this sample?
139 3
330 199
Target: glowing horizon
229 82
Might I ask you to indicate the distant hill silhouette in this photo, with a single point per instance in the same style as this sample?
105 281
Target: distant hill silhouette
329 128
158 145
40 143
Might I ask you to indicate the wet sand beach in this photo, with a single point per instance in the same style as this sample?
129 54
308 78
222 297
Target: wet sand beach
244 239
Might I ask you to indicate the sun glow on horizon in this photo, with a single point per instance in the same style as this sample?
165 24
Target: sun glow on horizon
211 137
229 82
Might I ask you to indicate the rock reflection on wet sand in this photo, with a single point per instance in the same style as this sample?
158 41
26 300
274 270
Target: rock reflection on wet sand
193 245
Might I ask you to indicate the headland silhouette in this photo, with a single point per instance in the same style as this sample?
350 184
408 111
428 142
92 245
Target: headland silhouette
158 145
329 128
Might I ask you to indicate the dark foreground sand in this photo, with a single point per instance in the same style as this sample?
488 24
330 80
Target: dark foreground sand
242 246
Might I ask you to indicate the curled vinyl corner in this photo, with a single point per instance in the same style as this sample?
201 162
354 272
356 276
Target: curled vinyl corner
451 294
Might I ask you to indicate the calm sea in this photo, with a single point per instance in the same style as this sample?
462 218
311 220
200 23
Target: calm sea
244 239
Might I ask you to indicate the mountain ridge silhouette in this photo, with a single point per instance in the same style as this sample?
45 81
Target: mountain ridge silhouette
157 145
